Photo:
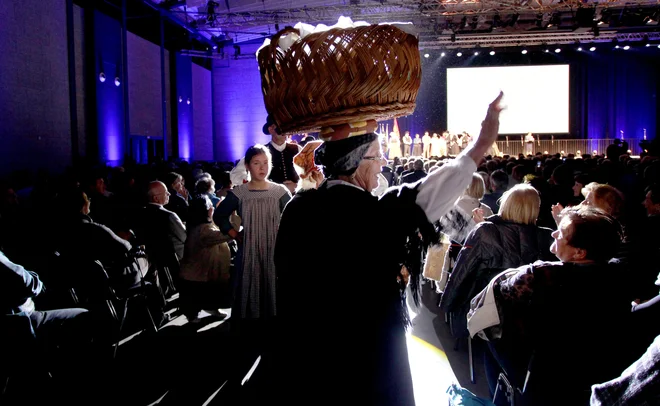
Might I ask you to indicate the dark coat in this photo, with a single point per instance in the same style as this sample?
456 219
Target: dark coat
493 246
338 291
571 317
413 176
161 231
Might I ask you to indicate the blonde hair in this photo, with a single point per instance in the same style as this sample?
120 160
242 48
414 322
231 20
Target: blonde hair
520 204
605 197
476 188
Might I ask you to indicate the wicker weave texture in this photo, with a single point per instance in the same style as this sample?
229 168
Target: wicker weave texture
340 76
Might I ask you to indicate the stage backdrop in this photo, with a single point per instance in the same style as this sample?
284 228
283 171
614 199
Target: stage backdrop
610 90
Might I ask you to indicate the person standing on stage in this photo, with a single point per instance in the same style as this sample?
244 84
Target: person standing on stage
282 153
417 146
443 143
426 141
407 143
529 144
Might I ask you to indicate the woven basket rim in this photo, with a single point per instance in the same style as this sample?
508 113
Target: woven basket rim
292 117
349 115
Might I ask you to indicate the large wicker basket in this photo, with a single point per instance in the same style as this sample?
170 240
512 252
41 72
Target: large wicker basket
340 76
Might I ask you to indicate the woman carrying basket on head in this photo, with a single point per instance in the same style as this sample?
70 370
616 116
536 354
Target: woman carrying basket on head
341 301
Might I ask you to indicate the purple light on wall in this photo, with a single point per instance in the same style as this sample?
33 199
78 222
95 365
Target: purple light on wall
238 108
109 98
185 129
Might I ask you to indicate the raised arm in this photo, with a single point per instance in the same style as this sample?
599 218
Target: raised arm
440 189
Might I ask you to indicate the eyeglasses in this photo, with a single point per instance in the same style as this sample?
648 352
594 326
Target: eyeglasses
373 158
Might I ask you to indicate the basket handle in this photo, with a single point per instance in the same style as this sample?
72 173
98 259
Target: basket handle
275 40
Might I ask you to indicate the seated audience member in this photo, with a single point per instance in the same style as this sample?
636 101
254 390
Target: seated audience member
159 229
499 182
460 220
507 240
204 283
64 336
416 174
179 196
549 314
205 185
87 241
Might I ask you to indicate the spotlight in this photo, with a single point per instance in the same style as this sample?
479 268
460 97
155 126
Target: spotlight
459 54
524 52
647 45
188 100
492 53
426 55
117 81
180 99
579 48
442 55
592 49
658 45
558 50
616 47
215 47
476 53
627 47
101 77
547 50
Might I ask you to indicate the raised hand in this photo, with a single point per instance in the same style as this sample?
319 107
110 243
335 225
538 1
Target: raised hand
489 130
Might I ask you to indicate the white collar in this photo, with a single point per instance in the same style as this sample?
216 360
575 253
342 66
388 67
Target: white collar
278 147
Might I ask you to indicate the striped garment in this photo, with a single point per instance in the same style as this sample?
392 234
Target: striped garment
260 212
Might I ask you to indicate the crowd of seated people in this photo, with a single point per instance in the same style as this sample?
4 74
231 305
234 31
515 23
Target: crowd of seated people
110 214
68 240
558 324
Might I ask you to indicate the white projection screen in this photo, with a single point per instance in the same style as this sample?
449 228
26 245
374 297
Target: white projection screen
536 98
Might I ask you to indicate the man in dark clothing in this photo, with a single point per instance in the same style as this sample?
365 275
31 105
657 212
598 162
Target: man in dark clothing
499 181
417 173
282 153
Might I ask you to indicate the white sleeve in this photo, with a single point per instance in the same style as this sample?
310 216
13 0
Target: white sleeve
439 190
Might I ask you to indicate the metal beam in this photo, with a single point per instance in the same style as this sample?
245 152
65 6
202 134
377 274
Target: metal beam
170 16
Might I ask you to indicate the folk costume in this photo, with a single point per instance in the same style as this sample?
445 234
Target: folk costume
341 291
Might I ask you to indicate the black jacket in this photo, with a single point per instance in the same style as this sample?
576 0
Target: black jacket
493 246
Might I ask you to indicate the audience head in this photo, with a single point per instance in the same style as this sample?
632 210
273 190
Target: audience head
580 182
418 165
174 181
200 211
652 200
258 162
499 180
586 234
158 194
520 204
477 188
605 198
73 202
204 185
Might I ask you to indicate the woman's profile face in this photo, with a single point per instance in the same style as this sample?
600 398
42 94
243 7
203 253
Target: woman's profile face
258 167
366 175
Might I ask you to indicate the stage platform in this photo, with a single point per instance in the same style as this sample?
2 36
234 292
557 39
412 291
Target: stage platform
568 146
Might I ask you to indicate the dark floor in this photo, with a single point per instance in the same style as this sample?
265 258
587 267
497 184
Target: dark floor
188 364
